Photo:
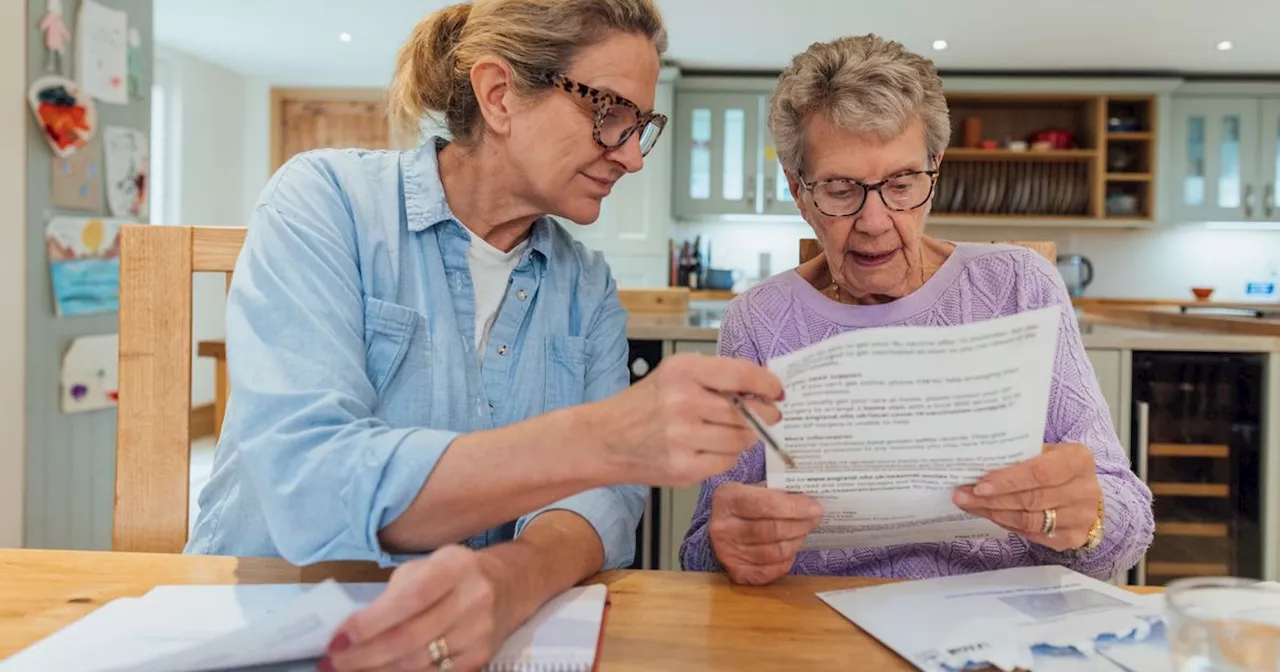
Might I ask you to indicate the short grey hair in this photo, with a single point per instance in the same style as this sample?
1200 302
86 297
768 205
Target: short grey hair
866 85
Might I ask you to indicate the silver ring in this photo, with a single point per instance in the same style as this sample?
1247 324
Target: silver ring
1050 522
445 665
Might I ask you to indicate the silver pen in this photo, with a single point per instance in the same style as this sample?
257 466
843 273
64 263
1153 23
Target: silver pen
763 432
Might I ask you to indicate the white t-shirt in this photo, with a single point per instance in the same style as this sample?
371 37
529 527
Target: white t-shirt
490 274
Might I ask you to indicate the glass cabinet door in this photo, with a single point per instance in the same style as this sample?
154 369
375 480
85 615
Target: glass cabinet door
1215 154
1269 161
717 154
777 192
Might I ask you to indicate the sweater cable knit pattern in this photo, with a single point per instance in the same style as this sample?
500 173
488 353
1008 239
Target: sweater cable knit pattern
977 282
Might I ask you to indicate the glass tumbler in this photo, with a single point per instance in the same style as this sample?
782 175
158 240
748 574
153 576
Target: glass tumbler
1223 624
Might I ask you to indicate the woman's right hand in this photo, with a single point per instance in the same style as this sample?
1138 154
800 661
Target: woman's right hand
677 426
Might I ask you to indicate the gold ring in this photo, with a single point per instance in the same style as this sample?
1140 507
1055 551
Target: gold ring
439 650
1050 522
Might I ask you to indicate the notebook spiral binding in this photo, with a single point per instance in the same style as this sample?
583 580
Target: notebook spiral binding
541 666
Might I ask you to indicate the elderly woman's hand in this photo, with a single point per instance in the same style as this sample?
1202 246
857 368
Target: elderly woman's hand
756 532
1062 479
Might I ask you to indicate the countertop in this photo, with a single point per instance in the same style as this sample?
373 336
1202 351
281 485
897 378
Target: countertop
1097 330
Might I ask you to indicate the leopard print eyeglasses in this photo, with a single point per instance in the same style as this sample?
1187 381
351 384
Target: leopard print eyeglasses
616 117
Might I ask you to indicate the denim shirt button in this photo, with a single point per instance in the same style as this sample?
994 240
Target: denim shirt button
502 350
522 295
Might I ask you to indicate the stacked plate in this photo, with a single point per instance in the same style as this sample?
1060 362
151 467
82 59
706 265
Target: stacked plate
1012 188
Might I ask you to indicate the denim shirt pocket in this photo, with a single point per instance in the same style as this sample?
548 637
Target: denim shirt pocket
388 331
566 371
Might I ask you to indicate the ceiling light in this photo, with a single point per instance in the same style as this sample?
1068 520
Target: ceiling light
1225 45
344 37
939 44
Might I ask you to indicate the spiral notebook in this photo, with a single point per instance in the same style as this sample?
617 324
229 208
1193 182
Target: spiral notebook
563 636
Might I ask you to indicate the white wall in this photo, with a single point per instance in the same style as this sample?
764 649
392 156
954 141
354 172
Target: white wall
209 103
15 121
1158 263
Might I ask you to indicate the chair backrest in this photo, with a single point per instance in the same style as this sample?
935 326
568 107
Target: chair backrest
810 248
153 442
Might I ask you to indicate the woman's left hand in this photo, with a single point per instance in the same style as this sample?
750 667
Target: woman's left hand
437 613
1062 479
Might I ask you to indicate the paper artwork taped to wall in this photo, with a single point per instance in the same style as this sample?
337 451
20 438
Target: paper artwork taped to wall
67 116
76 180
84 262
102 52
128 159
56 37
89 381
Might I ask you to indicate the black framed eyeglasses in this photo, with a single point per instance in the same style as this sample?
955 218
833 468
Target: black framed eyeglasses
616 118
843 197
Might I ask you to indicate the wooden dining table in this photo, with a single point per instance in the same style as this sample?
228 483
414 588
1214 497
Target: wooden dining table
656 620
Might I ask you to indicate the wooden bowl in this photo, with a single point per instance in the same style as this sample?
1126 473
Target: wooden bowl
1202 293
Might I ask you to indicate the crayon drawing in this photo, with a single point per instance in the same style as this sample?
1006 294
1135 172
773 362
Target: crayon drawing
84 263
127 159
89 380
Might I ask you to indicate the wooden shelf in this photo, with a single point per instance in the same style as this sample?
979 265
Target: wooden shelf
1215 530
1129 135
1218 490
1128 177
1187 450
1187 569
971 154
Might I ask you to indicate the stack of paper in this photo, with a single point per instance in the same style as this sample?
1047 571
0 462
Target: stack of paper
1024 618
196 628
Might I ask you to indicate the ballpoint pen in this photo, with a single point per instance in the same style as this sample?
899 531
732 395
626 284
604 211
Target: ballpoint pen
763 432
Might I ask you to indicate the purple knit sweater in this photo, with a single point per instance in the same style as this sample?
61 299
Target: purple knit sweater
978 282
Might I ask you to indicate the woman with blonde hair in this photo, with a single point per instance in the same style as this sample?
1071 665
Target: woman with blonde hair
426 363
861 126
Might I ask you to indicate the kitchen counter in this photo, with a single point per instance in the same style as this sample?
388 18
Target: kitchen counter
1098 330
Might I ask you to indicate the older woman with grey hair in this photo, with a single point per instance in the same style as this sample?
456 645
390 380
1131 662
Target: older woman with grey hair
861 126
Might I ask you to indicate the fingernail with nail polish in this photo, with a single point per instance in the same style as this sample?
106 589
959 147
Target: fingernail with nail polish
340 643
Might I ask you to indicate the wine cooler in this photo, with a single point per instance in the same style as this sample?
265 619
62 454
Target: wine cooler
1197 444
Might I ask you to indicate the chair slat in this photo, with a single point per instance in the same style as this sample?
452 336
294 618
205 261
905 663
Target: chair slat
153 446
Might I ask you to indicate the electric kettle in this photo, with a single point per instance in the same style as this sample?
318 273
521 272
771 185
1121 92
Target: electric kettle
1076 271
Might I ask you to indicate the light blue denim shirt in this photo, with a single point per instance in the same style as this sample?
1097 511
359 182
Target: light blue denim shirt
350 340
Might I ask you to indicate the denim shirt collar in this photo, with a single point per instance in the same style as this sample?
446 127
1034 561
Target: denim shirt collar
425 203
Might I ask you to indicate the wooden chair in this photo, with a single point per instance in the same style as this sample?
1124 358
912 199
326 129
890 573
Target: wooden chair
810 248
153 444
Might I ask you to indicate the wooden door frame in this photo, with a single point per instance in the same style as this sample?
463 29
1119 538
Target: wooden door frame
280 94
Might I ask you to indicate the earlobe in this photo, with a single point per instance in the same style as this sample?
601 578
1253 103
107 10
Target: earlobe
491 80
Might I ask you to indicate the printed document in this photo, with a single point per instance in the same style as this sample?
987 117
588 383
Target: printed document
885 423
1024 618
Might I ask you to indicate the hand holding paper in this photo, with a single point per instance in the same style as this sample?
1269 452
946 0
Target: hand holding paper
1063 479
756 532
886 423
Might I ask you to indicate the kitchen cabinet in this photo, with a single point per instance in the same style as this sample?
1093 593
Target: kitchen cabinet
725 159
680 503
634 224
1226 159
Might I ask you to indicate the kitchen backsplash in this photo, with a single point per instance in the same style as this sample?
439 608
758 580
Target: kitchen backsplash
1146 263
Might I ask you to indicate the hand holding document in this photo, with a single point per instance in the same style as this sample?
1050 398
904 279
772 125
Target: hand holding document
885 423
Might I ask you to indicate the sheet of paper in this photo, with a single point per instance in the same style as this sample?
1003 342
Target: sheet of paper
1036 618
102 63
128 159
195 628
885 423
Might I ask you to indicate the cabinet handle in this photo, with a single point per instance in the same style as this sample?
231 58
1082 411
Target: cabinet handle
1143 453
750 190
1268 199
768 192
1248 201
